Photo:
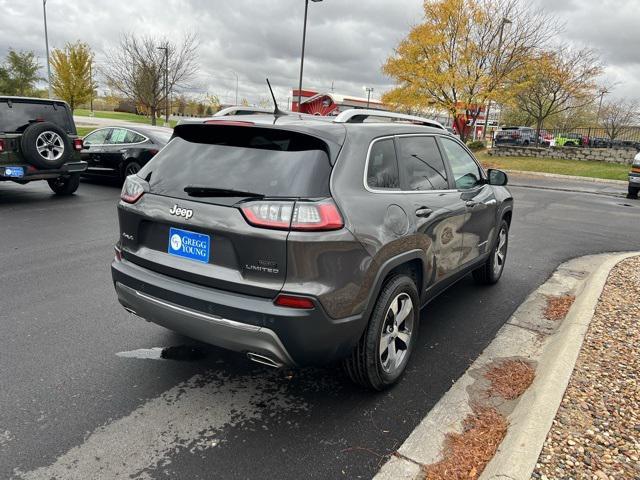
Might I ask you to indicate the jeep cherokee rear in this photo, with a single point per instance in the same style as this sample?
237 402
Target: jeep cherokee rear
38 141
304 241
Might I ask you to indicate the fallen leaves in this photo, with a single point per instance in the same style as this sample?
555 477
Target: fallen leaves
558 307
467 453
510 378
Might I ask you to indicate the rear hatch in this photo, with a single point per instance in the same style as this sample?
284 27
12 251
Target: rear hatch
219 201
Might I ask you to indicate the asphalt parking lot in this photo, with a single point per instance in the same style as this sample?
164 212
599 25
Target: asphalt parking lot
71 407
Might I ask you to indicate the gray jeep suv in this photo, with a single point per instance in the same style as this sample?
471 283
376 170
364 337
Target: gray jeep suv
305 240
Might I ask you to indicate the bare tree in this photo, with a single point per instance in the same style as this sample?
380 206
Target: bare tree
556 82
616 116
136 69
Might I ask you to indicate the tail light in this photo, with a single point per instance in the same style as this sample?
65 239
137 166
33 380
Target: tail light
78 144
2 146
302 216
134 187
293 301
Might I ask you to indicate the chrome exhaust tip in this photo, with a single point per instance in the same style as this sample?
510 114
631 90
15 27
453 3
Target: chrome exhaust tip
263 360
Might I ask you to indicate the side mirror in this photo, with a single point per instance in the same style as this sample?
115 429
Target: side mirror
497 177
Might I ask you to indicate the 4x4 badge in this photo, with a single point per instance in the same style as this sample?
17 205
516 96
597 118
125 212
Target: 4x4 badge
181 212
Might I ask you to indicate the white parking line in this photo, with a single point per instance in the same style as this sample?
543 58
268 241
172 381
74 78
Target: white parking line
192 415
153 353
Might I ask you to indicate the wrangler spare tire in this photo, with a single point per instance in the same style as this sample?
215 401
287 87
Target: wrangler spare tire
45 145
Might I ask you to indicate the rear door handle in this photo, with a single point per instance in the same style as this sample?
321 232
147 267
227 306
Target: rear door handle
423 212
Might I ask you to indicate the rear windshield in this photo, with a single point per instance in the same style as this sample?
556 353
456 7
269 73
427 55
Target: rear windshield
269 162
16 115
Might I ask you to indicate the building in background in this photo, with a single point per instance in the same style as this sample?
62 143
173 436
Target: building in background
330 103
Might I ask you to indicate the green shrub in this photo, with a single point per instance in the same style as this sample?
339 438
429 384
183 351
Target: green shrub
476 145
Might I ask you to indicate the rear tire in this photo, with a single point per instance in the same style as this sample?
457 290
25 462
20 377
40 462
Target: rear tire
633 192
382 354
491 271
131 167
65 185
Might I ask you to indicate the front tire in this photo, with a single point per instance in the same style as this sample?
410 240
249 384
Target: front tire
65 185
382 354
491 271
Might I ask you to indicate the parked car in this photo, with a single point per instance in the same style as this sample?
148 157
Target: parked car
545 138
39 141
122 151
306 240
634 178
569 140
515 136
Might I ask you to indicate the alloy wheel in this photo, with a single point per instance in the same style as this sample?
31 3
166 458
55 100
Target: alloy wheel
50 146
500 252
396 333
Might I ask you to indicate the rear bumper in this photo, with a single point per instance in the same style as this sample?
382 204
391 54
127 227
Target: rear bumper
32 174
234 321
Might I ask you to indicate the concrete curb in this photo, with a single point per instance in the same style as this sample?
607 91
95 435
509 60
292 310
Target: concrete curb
527 335
532 418
569 177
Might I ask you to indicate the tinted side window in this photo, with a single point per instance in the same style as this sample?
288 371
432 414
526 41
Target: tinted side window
466 172
133 137
97 138
422 164
382 171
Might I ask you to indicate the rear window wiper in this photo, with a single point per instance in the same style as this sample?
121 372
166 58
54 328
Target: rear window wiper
202 191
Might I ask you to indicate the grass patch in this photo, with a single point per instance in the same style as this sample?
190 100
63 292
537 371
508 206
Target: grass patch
612 171
126 117
82 131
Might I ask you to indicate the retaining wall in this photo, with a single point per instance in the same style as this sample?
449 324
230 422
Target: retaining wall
611 155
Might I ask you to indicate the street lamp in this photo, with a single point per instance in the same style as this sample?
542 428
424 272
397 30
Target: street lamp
236 74
368 90
166 83
304 38
505 21
46 41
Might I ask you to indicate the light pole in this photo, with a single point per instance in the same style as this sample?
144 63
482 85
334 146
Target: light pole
91 83
46 41
304 38
368 90
166 83
505 21
602 92
236 74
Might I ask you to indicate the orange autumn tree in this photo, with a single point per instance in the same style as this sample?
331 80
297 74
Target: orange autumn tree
463 54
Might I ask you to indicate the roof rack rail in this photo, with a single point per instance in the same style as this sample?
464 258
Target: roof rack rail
358 115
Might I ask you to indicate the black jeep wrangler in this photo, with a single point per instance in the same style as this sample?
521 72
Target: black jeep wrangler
39 141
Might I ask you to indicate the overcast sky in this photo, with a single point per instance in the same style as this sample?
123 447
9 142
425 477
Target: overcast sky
347 40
